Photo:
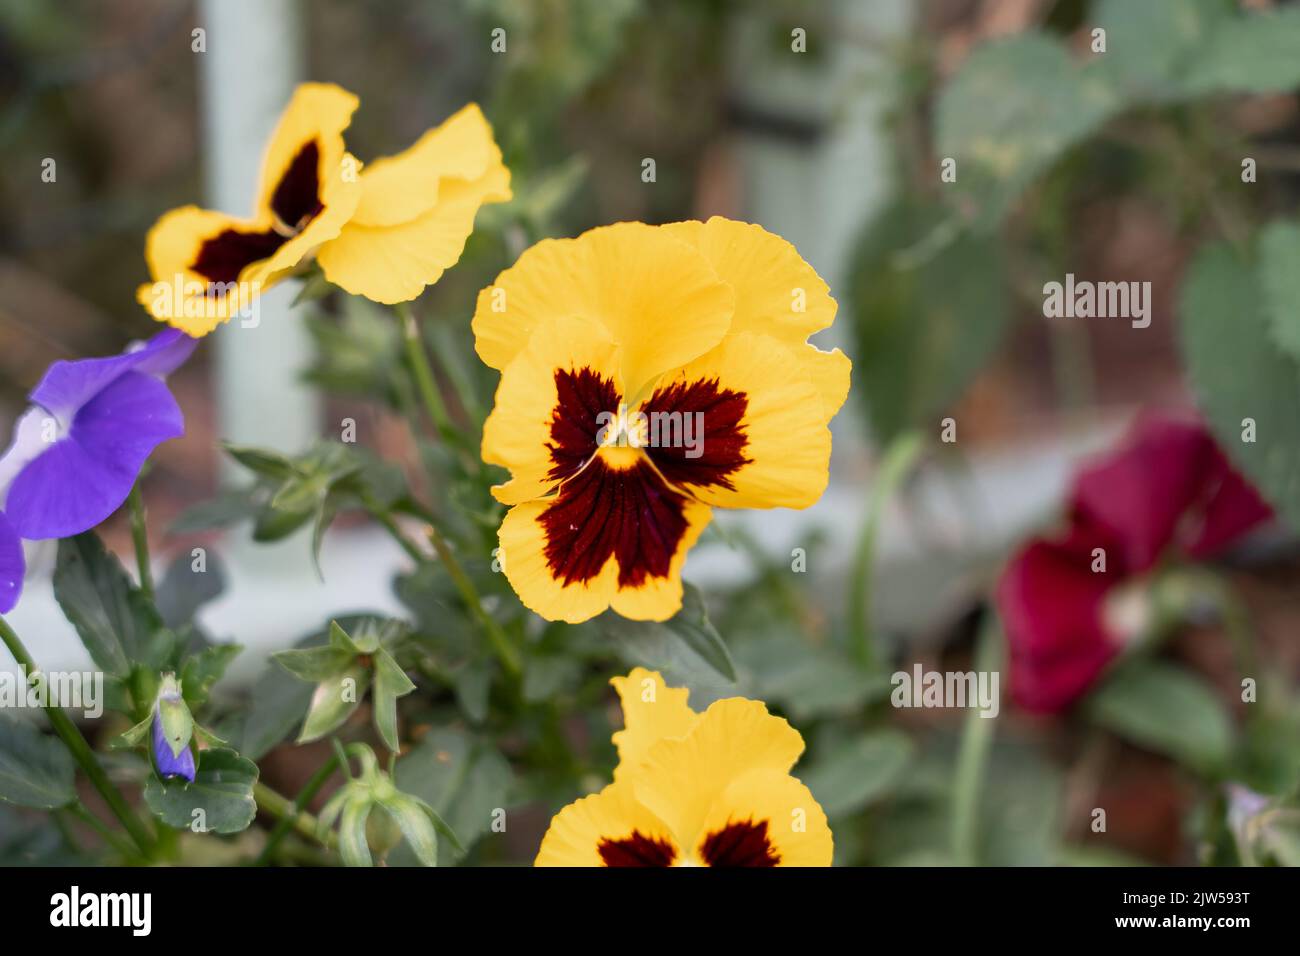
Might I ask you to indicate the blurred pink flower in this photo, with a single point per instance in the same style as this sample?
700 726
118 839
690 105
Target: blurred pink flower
1167 490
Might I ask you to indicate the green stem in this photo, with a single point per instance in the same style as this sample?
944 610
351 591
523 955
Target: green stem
898 460
385 518
425 382
501 644
284 809
140 535
296 813
114 840
79 748
972 757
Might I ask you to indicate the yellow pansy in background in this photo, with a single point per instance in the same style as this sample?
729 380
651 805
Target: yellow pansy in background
692 789
649 374
207 266
384 232
417 210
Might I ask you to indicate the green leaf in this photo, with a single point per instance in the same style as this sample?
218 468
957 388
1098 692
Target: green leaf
688 639
333 702
341 639
315 664
547 675
261 461
35 770
353 846
203 670
359 352
697 632
391 683
1166 709
183 590
225 510
301 494
465 781
859 773
1279 251
135 736
1251 53
1015 106
222 790
926 319
472 682
416 825
272 525
1224 333
114 620
808 681
277 704
1156 49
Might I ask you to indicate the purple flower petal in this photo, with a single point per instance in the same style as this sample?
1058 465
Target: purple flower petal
69 385
32 438
86 476
167 763
12 566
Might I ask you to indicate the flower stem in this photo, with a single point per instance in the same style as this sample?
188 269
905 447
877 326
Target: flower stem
423 372
501 644
140 535
972 757
898 460
122 846
294 816
385 518
79 748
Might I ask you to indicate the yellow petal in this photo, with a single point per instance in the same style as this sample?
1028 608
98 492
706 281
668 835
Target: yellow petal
830 373
651 711
395 263
397 189
680 780
567 557
611 820
741 427
657 298
777 294
765 817
182 297
519 433
319 112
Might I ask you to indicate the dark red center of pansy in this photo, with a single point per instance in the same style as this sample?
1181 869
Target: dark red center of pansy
295 202
740 844
631 513
722 444
636 850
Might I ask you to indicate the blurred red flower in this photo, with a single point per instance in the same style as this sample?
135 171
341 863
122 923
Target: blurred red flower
1167 490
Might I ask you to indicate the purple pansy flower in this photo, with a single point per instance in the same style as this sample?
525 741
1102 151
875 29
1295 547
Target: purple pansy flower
78 450
167 763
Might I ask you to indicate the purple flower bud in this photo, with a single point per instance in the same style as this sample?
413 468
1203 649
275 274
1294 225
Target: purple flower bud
168 764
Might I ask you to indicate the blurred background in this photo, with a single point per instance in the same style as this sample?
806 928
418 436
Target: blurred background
826 122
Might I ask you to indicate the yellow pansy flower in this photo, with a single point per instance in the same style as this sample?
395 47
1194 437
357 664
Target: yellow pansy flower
384 232
691 789
649 374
